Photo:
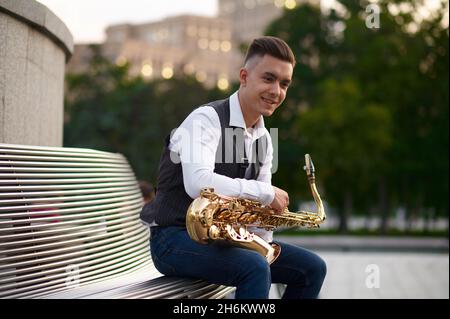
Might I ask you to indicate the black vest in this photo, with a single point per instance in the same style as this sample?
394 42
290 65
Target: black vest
171 202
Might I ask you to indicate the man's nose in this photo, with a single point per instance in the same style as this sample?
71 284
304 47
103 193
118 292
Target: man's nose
275 89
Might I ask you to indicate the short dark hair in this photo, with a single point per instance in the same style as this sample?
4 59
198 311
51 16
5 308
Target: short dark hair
272 46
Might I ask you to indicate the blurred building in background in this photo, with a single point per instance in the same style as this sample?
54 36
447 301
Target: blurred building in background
249 18
207 48
194 45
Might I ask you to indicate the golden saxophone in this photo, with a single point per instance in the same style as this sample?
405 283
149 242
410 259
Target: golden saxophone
216 217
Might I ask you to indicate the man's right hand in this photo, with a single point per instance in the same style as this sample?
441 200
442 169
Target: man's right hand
280 201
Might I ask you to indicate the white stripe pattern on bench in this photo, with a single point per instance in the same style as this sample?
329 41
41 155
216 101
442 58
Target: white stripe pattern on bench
70 228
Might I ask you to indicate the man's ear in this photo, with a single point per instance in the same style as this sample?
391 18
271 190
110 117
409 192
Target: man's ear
243 74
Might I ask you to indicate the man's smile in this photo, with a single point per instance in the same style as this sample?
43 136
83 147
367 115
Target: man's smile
269 101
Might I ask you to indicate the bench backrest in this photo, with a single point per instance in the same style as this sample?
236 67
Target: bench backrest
68 216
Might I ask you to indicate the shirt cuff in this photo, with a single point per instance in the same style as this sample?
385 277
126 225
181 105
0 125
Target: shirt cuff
267 193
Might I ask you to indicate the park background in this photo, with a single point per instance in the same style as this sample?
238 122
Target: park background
369 102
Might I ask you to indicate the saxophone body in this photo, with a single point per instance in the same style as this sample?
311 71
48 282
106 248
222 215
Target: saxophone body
213 217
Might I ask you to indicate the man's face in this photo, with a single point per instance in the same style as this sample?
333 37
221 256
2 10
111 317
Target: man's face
265 82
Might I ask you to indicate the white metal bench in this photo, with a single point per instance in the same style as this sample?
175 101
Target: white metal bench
70 228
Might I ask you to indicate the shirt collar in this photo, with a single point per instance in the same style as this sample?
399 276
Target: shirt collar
237 118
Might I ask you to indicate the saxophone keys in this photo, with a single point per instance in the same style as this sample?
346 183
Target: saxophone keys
244 218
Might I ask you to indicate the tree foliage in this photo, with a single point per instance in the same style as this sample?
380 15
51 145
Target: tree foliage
370 105
106 109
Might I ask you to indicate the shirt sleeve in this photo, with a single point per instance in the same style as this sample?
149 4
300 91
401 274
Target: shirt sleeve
196 142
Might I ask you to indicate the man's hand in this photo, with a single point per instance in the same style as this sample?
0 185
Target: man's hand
280 201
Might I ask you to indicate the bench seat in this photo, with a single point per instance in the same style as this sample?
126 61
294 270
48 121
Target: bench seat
70 228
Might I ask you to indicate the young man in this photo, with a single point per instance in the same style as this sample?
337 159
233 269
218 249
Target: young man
195 157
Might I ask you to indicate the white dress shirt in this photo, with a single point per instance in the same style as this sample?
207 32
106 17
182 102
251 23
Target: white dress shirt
196 142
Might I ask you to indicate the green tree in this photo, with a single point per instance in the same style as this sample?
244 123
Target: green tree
381 96
106 109
349 140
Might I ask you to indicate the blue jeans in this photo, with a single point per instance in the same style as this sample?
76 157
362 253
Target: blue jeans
174 253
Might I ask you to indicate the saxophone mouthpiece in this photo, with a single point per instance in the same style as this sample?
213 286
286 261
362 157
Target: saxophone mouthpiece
309 167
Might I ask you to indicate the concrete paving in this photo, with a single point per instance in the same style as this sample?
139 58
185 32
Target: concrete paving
381 268
357 275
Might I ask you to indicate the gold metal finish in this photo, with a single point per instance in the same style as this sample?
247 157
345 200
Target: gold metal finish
216 217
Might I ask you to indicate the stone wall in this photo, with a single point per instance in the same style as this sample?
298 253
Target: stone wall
34 48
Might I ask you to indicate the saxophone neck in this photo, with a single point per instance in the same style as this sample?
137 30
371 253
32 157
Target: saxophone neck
310 172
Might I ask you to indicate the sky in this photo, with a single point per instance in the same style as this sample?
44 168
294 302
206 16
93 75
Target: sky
88 19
